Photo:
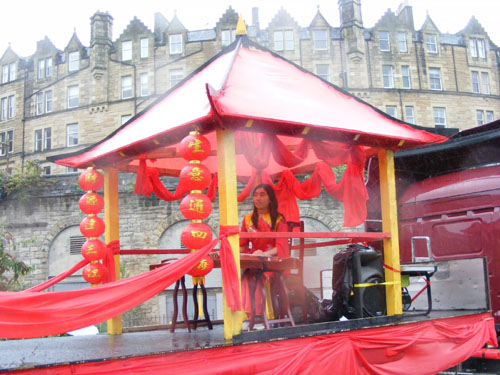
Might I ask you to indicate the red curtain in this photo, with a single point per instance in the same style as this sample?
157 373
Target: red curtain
423 348
35 314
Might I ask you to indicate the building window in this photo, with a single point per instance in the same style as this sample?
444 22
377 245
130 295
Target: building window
12 72
71 135
73 96
387 76
475 82
48 101
402 45
485 82
6 142
320 38
176 75
431 43
44 68
409 114
480 116
144 48
5 74
144 84
73 61
41 69
12 106
477 48
9 72
3 114
127 50
38 140
39 103
439 117
435 79
125 118
391 110
283 40
489 116
47 138
175 44
384 40
46 170
227 36
323 71
405 75
126 87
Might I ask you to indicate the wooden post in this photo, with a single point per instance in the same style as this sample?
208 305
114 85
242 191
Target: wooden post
111 220
390 225
228 215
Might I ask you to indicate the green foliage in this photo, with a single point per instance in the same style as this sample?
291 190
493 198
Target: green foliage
10 268
22 182
339 171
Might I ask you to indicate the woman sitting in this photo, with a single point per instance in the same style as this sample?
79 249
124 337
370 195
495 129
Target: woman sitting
264 218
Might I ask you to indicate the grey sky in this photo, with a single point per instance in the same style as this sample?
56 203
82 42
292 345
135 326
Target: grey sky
23 23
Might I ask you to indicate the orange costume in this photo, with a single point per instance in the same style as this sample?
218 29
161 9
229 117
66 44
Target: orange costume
264 244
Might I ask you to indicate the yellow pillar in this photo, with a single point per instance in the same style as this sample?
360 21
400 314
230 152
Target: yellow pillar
390 225
228 215
111 220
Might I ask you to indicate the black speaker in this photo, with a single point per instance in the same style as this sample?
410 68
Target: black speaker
367 268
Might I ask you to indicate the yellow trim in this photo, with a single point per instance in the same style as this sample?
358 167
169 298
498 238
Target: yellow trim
365 285
241 29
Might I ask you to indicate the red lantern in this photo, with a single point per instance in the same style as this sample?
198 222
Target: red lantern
91 180
94 273
196 206
92 226
194 147
195 176
93 249
91 203
196 235
203 268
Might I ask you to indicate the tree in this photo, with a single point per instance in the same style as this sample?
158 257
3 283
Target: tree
10 268
21 181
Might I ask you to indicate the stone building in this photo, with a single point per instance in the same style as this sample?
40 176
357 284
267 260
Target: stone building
61 100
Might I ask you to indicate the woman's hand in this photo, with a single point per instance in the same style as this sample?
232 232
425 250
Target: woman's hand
262 253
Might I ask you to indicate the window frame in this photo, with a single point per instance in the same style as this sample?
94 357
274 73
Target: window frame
12 106
444 123
407 77
393 108
7 138
4 108
434 79
404 42
485 83
324 75
127 49
389 76
48 99
41 69
144 84
144 45
71 135
174 82
12 71
431 43
47 138
227 36
73 63
126 87
39 103
73 99
317 40
38 141
480 117
490 116
175 44
384 44
407 118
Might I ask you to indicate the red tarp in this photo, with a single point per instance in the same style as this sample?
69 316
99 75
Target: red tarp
423 348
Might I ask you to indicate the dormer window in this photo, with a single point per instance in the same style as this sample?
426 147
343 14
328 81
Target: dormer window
73 61
227 36
320 38
477 48
9 73
384 41
283 40
175 44
44 68
431 43
127 50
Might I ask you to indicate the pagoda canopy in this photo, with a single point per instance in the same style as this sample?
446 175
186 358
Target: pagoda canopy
249 89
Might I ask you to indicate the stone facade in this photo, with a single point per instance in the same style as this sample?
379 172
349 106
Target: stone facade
57 101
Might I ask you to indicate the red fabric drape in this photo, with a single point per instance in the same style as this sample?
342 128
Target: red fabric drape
34 314
423 348
55 280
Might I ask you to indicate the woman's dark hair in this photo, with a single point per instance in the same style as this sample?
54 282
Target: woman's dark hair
273 206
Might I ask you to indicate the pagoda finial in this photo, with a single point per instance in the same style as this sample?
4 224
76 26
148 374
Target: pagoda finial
241 29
